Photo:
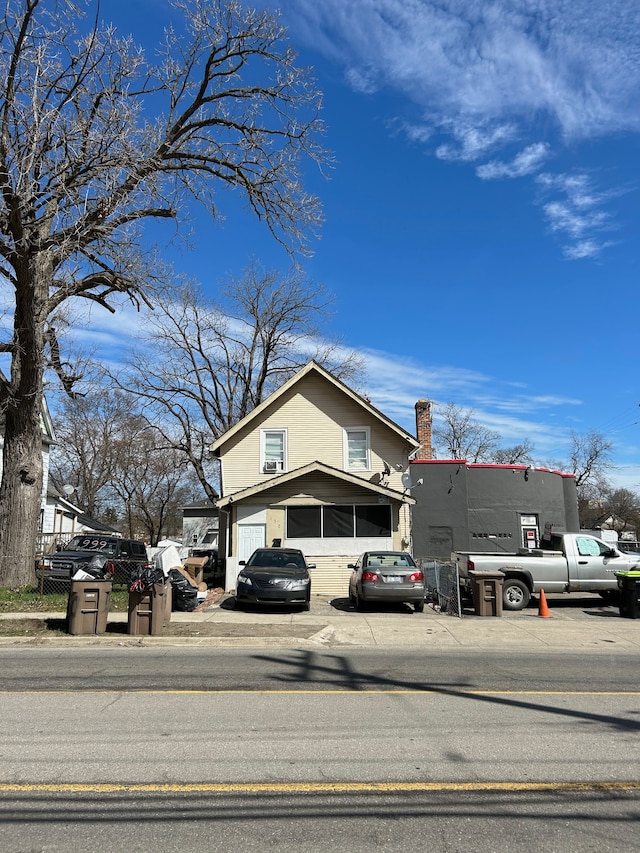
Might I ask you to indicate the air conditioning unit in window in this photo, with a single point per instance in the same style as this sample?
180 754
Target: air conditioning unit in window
270 466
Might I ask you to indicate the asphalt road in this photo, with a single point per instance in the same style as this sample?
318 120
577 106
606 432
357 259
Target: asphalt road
170 668
146 749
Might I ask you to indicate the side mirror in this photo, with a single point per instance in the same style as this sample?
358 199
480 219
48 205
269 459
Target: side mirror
242 562
311 565
350 566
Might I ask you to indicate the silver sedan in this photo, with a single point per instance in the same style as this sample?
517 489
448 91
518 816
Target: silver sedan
386 576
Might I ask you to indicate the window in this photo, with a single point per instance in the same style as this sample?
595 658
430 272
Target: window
303 522
373 520
588 547
335 522
357 449
273 451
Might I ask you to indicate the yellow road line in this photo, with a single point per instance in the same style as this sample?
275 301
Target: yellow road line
351 691
309 787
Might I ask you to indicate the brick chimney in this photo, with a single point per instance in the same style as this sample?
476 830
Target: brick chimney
424 423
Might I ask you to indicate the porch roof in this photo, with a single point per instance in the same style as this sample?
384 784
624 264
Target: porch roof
311 468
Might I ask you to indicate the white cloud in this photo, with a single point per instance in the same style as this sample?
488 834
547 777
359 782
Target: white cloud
577 215
482 75
395 384
473 140
574 60
526 162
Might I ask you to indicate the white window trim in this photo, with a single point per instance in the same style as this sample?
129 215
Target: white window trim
367 431
263 435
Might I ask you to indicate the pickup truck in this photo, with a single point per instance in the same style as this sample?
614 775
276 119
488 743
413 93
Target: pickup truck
569 562
126 555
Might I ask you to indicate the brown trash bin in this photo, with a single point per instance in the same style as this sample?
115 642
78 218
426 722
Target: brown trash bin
487 593
149 611
88 606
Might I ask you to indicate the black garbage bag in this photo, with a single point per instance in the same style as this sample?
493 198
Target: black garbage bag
99 567
184 595
143 579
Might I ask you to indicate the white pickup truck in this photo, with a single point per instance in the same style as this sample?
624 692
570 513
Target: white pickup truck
569 562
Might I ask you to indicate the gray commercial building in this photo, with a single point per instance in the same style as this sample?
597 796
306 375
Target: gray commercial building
461 506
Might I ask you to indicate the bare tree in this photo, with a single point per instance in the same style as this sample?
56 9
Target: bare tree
94 141
589 460
150 479
623 510
123 470
89 430
519 454
205 366
458 435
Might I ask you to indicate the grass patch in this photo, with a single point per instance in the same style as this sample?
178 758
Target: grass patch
31 600
54 627
32 627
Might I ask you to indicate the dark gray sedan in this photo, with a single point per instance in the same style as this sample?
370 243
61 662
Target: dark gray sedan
274 577
386 576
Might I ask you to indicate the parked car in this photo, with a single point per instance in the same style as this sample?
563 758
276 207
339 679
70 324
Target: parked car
125 555
274 576
386 576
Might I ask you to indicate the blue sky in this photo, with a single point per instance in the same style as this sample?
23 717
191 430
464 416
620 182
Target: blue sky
481 233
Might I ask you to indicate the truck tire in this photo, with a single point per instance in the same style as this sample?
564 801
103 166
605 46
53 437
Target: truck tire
515 594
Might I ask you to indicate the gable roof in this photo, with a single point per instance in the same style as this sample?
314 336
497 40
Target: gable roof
311 367
55 497
311 468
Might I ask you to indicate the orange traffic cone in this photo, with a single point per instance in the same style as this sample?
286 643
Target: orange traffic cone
543 610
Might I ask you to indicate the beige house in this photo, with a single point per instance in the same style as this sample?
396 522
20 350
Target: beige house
315 467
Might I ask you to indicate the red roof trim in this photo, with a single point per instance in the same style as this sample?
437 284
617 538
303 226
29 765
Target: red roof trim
439 462
490 465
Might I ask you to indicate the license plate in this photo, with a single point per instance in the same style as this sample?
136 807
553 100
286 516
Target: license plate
393 579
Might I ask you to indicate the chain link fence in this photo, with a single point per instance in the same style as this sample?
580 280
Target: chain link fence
442 585
53 572
45 582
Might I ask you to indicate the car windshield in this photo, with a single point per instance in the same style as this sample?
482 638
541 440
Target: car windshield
390 560
275 560
91 543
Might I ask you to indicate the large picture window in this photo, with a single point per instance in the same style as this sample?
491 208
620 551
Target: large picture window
339 521
374 520
303 522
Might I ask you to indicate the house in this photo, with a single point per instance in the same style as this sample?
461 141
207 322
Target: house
200 523
315 466
48 438
463 506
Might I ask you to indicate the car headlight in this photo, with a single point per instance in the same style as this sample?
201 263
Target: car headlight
299 583
244 579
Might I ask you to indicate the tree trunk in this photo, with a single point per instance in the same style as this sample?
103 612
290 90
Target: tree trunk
20 493
21 486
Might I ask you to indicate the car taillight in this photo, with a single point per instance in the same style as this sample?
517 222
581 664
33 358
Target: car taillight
370 576
416 577
470 565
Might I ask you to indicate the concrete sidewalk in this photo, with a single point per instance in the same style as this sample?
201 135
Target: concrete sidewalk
575 623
